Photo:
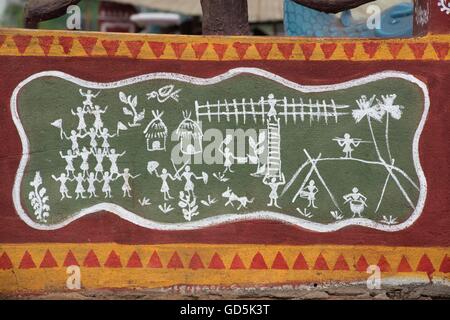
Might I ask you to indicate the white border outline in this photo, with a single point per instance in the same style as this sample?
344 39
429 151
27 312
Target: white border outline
224 218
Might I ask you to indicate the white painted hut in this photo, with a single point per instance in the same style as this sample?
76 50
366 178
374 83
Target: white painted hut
190 135
156 133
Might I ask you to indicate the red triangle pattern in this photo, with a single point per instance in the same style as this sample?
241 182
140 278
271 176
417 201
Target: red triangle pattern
328 49
308 49
220 49
279 262
383 264
445 265
349 49
175 262
237 263
258 262
404 265
418 49
371 48
425 265
241 49
394 48
91 260
157 48
22 42
178 48
66 43
321 263
154 261
300 263
27 261
70 260
134 261
134 47
48 261
216 262
361 264
5 262
45 42
111 47
441 49
286 49
113 260
196 262
88 44
341 264
199 49
263 49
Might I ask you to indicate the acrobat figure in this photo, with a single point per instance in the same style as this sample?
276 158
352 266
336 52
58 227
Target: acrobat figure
188 175
272 103
91 179
93 137
273 195
309 192
106 188
84 154
69 161
357 202
99 155
164 185
74 139
81 122
113 156
88 97
97 112
105 135
79 190
63 188
348 142
126 188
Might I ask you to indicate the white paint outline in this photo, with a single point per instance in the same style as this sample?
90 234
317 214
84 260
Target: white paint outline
224 218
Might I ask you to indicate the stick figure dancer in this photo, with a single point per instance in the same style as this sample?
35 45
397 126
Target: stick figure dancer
99 156
309 192
105 136
69 160
126 188
272 103
97 112
79 190
84 154
113 156
91 179
81 122
357 202
106 189
93 136
74 139
273 195
188 175
88 97
164 185
347 142
62 187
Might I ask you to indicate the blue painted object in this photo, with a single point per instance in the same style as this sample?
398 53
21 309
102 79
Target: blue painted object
299 20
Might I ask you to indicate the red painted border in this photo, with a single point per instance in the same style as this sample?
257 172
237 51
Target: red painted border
431 229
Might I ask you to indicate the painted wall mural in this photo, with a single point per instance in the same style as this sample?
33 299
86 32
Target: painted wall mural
149 161
169 151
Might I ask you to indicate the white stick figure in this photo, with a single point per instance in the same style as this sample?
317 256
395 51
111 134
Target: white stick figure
113 156
88 97
126 188
273 195
272 103
84 154
309 192
97 112
93 137
69 161
106 189
81 122
91 179
62 187
348 142
74 139
357 202
79 190
99 156
164 185
104 134
188 175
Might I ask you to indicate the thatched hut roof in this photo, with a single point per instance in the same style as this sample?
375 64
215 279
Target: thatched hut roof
189 127
156 128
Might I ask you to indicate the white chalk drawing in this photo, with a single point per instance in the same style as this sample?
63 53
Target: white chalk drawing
165 93
156 133
39 198
131 101
444 6
190 135
89 146
231 197
229 157
422 14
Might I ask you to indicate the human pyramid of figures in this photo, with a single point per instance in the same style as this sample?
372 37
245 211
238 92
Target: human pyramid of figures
84 174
